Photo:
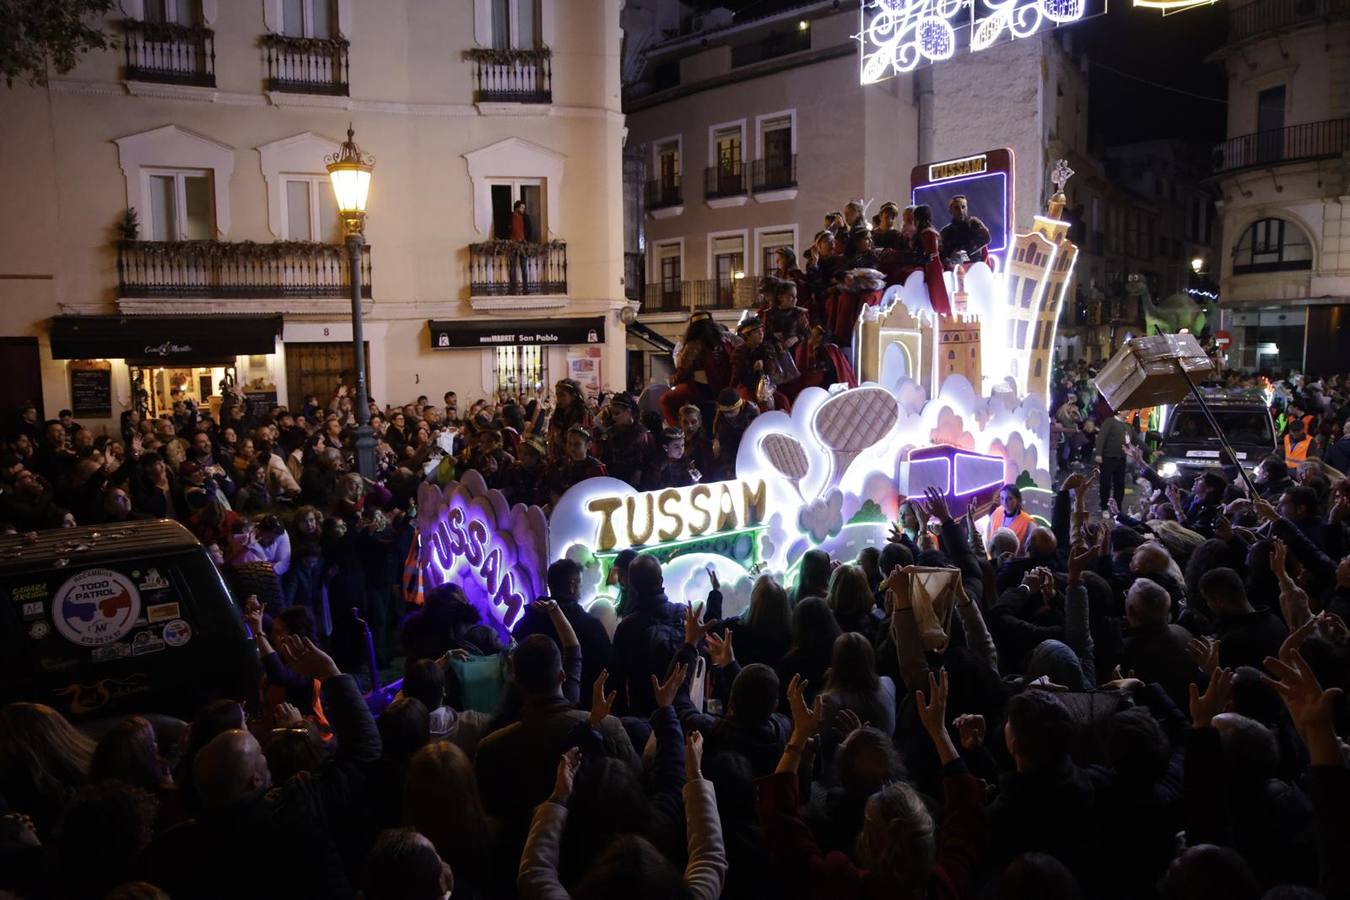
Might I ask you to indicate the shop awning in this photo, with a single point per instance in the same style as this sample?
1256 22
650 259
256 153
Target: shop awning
474 333
168 340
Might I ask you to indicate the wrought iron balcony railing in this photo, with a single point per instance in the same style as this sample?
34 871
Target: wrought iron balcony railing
1312 140
725 179
688 296
222 270
774 174
512 76
297 65
517 269
1261 16
169 53
664 192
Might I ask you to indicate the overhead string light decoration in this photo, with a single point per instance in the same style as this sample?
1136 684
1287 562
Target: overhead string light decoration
898 36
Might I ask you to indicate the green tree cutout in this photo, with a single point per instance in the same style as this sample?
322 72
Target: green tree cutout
39 35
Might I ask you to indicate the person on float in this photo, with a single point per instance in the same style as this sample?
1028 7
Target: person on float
674 470
527 480
1009 514
820 274
734 416
698 443
569 412
625 446
862 287
785 323
577 464
886 236
964 234
821 363
702 367
907 226
864 255
928 242
753 361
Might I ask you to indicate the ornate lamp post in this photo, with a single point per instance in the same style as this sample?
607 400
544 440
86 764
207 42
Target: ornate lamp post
350 171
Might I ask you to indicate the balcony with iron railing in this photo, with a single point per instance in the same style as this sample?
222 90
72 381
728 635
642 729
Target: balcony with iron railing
237 270
663 193
726 179
517 269
512 76
688 296
773 174
1297 143
297 65
1262 16
169 53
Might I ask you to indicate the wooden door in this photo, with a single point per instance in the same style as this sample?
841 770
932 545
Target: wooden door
318 369
22 365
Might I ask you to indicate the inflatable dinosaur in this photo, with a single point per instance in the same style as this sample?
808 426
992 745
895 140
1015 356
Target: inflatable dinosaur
1175 313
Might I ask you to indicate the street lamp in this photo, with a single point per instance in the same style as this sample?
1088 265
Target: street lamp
350 170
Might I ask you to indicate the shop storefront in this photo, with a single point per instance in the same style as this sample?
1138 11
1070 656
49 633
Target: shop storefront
171 356
524 357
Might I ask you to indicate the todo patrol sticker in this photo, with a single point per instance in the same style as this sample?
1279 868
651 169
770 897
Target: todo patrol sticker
95 607
176 633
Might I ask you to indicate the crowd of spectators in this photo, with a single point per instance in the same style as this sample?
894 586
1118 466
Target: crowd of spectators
1140 704
1134 707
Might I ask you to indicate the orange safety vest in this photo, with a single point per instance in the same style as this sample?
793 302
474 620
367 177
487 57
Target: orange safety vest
1296 453
1019 525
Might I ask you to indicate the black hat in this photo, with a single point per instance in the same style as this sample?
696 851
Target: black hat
749 323
623 399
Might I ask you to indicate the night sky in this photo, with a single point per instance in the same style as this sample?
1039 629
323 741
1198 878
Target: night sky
1168 51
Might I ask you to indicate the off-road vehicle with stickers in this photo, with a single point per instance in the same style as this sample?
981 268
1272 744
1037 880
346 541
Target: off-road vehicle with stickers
113 619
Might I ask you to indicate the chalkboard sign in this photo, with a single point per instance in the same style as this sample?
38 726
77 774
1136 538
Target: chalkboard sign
260 402
91 392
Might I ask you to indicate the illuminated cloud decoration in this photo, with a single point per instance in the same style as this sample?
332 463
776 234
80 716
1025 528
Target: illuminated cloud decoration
898 36
954 402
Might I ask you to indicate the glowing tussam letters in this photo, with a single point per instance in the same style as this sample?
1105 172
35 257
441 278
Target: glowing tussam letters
463 539
676 514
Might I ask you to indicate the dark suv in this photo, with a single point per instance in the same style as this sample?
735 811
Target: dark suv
1190 446
111 619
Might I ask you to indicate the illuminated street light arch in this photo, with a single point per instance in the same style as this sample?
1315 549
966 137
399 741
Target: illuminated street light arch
898 36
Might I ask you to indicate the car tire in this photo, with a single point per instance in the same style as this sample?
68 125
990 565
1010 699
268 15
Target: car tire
255 578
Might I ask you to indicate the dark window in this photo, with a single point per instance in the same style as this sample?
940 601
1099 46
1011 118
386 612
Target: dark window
1272 245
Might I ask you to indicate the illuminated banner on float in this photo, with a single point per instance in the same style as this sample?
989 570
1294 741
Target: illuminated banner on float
898 36
986 181
496 553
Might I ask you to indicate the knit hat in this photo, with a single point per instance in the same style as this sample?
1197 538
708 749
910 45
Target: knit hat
729 400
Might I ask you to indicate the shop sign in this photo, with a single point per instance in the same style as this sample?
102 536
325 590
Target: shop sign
470 334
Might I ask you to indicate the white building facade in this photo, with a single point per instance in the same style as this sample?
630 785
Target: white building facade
212 121
1284 179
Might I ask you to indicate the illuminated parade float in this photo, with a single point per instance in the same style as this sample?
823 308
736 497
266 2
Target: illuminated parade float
954 367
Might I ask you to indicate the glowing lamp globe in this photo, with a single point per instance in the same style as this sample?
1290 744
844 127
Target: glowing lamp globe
349 169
